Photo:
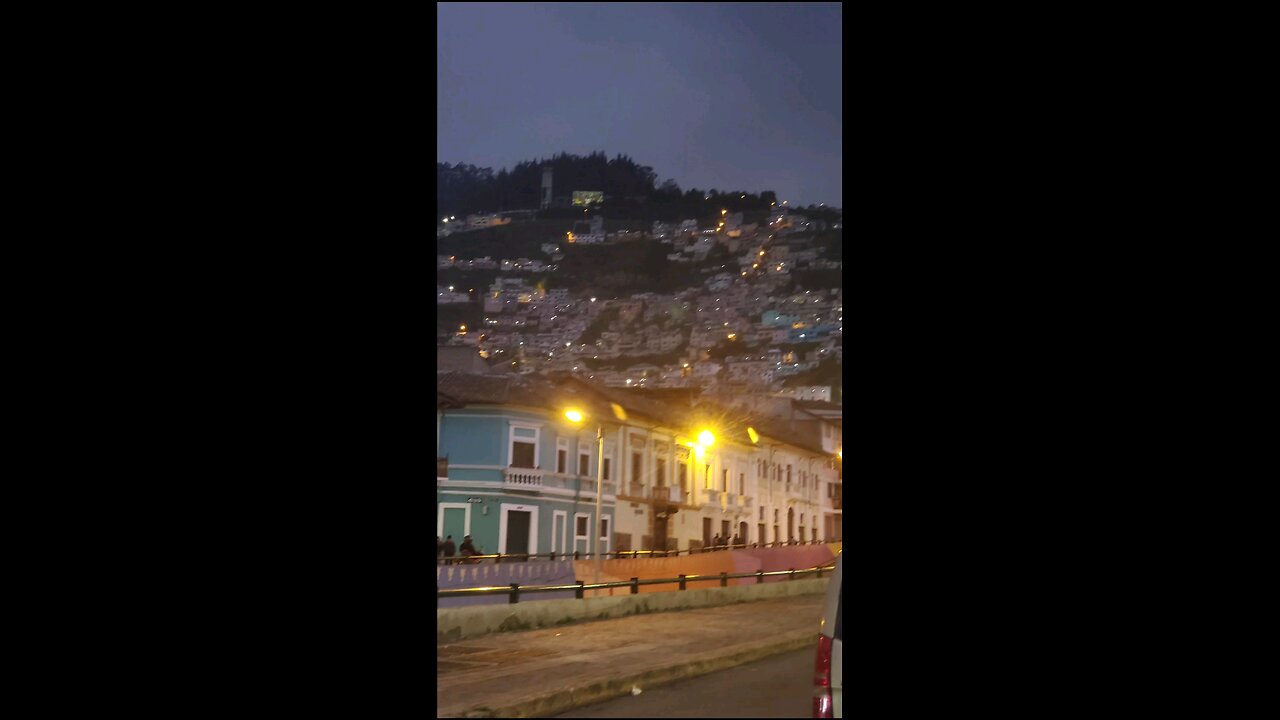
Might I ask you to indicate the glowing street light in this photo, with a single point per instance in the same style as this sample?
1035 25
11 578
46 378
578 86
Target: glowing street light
578 417
705 440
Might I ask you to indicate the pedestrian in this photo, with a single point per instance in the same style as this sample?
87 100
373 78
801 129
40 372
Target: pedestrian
737 539
467 549
449 548
715 542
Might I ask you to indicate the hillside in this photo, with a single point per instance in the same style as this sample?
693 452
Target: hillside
631 190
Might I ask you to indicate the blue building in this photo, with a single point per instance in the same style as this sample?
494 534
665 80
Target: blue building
512 471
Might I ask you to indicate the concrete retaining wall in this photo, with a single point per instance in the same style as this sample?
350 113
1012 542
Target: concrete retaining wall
453 624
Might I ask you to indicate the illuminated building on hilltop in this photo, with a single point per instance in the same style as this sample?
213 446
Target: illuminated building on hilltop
582 198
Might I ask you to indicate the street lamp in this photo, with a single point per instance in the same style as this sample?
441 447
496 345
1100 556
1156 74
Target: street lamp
577 417
700 446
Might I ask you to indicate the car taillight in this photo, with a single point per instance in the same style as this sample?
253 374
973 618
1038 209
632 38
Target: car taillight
822 679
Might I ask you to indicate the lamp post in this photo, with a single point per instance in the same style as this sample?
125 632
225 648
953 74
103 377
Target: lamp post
577 417
700 446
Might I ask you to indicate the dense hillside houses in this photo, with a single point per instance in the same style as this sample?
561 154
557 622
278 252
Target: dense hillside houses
727 323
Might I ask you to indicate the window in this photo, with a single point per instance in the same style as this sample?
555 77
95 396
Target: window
660 473
684 476
724 480
762 516
637 466
523 454
742 483
581 530
775 517
607 474
584 464
524 446
562 461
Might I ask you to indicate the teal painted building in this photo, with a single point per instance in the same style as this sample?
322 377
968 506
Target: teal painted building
517 475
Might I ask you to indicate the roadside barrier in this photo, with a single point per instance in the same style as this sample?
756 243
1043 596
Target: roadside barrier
618 554
515 589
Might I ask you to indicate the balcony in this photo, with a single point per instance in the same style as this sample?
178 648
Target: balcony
670 493
712 497
634 489
514 478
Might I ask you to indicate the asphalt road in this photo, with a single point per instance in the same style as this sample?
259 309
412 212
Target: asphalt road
775 687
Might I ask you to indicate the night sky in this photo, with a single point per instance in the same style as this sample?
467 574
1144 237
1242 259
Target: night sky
727 96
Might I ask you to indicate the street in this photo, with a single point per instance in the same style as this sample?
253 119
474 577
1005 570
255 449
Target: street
780 686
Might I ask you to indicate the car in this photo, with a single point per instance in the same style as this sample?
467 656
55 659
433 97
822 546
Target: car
828 676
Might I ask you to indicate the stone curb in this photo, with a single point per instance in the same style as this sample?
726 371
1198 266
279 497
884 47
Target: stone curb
559 700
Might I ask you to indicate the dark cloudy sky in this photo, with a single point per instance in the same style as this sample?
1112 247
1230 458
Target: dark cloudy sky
731 96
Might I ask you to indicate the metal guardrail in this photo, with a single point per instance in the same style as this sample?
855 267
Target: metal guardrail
578 588
619 554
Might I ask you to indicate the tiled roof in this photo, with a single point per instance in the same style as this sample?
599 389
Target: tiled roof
528 390
818 405
730 424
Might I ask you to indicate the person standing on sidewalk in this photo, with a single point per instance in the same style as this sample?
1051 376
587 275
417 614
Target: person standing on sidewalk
449 549
467 549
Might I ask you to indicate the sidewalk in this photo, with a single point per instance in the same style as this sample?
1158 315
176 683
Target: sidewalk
544 672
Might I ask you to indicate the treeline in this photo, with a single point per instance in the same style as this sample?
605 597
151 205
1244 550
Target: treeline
631 190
